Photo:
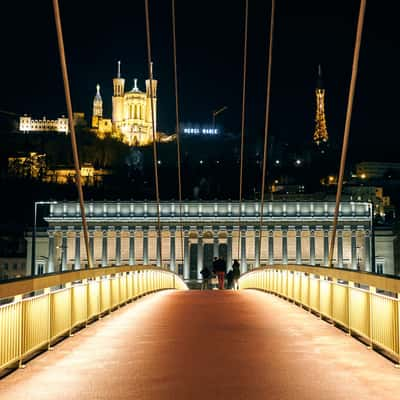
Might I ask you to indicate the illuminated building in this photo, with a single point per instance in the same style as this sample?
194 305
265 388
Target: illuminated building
320 133
131 113
32 165
27 124
89 175
125 233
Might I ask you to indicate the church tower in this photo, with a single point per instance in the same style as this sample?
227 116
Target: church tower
150 96
97 108
320 134
118 99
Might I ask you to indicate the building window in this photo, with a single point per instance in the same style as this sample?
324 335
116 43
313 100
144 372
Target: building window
6 266
15 266
40 268
380 263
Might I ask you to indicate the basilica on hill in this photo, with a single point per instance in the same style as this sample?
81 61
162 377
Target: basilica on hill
131 114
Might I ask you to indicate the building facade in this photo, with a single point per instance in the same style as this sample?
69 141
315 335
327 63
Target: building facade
131 112
27 124
126 233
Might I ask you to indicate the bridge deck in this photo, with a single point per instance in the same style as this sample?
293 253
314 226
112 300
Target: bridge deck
207 345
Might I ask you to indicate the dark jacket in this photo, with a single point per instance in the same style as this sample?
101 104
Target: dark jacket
205 273
229 276
236 270
220 265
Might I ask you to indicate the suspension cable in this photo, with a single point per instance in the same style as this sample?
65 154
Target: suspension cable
246 17
266 128
347 126
78 180
155 159
178 135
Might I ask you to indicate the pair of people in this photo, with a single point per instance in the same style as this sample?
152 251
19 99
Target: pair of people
219 268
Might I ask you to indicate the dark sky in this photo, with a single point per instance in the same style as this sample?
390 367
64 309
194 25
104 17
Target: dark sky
210 46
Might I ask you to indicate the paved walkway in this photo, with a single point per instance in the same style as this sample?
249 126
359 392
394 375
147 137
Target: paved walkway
207 345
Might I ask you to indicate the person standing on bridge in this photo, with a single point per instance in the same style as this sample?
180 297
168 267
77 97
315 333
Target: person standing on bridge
206 274
236 274
220 270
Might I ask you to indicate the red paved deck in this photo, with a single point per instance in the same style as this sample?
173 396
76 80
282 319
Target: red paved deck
207 345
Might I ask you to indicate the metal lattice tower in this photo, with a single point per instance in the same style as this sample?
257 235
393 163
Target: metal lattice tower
321 132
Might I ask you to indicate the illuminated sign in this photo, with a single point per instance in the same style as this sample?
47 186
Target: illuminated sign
201 131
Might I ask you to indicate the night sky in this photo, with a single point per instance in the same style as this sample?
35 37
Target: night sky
210 46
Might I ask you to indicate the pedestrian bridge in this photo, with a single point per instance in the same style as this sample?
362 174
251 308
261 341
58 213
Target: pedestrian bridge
191 344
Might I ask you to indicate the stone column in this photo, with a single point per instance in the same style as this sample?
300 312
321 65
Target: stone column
326 246
215 244
77 250
158 247
367 251
284 247
353 250
243 260
50 266
340 249
257 248
271 247
172 264
118 247
91 247
200 252
298 246
132 246
104 249
229 248
64 249
312 246
145 245
186 254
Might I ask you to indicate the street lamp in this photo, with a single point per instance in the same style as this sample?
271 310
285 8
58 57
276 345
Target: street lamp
215 113
33 263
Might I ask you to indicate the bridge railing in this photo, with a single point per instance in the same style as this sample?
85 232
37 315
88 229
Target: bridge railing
364 304
44 309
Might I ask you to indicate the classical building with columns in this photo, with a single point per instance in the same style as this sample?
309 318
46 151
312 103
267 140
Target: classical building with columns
193 233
